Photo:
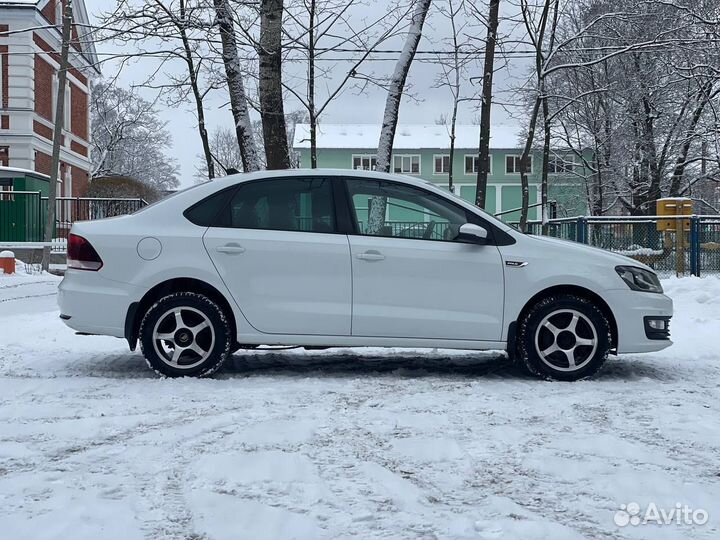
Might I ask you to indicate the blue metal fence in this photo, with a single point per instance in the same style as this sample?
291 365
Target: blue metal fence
691 244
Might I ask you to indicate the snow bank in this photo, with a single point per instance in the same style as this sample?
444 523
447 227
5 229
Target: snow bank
25 273
634 251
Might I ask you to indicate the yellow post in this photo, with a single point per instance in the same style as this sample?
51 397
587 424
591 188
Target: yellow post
678 206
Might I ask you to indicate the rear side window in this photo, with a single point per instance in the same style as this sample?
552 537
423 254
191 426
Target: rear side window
284 204
206 212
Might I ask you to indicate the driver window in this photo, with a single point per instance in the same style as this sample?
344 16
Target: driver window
404 211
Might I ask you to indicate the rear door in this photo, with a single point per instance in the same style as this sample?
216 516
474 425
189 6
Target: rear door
277 249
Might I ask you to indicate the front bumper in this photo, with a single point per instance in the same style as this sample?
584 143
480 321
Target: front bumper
92 304
631 310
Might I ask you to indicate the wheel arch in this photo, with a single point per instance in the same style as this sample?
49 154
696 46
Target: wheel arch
137 310
575 290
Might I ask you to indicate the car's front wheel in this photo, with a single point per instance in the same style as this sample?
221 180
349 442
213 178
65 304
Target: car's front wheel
185 334
564 337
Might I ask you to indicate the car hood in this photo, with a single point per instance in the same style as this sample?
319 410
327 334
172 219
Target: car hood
577 249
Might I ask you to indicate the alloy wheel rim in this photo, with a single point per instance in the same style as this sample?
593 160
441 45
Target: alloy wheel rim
183 337
566 340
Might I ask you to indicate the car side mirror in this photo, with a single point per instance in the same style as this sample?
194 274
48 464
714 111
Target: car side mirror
469 232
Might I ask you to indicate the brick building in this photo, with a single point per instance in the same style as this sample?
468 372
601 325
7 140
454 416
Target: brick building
29 62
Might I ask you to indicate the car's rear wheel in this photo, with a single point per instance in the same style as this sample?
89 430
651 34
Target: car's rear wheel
564 337
185 334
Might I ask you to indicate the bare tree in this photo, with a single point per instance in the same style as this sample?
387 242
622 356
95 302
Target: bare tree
277 152
225 151
236 88
540 25
127 135
320 30
376 217
486 103
169 32
454 69
640 90
67 22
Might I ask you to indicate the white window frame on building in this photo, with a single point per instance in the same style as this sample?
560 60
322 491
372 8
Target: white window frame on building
444 161
58 12
60 184
475 163
516 164
410 159
2 60
53 97
561 164
68 181
67 112
365 159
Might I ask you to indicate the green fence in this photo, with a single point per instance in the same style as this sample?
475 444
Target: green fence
22 213
692 245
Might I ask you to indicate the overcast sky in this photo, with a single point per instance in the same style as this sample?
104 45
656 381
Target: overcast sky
426 105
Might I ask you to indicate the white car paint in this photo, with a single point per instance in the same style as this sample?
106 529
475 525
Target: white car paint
298 288
460 297
286 282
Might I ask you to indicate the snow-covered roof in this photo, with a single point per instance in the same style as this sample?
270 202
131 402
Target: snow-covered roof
407 136
6 172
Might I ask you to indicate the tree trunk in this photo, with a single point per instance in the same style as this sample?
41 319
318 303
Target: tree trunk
681 162
524 164
546 129
451 185
486 105
545 166
376 218
650 151
236 87
197 94
311 86
57 132
456 98
277 153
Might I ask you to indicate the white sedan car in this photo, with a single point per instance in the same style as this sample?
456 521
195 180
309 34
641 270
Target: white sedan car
323 258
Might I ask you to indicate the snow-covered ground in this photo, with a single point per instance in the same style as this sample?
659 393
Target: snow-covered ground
341 443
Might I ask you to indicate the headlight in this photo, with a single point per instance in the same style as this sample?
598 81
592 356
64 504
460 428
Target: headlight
639 279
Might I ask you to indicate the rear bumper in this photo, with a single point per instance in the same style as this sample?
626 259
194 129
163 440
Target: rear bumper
92 304
631 309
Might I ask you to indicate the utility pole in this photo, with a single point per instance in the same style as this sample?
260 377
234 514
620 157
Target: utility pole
57 132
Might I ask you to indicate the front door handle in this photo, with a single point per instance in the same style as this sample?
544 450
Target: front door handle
371 255
230 249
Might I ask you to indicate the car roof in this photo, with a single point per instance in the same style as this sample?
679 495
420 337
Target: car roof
350 174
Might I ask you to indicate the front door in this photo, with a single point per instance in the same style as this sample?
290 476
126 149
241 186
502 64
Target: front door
277 250
411 279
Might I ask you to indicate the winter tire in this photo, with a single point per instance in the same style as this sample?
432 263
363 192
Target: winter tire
564 337
185 334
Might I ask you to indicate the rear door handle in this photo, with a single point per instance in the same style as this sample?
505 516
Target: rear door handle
371 255
230 249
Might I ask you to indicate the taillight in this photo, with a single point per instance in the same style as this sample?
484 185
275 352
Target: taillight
81 255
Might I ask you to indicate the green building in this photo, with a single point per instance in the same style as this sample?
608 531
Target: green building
422 151
22 209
